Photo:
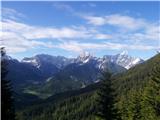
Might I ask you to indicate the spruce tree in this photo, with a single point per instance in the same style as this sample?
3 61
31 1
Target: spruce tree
7 108
151 97
105 101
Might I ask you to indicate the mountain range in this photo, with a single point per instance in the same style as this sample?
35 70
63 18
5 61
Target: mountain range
122 59
44 75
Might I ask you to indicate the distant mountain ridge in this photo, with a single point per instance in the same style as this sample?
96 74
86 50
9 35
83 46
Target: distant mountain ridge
38 60
122 59
45 75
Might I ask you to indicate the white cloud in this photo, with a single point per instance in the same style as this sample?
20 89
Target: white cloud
125 21
150 34
127 28
95 20
117 20
19 37
103 36
36 32
16 43
153 31
79 47
71 46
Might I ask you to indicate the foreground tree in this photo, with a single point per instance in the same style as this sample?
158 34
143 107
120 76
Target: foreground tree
106 109
7 108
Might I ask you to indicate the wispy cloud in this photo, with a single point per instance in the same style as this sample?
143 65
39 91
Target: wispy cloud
19 37
38 32
103 36
8 13
63 6
127 27
16 43
117 20
95 20
79 47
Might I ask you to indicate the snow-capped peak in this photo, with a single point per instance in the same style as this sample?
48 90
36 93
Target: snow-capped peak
84 57
125 52
84 54
126 61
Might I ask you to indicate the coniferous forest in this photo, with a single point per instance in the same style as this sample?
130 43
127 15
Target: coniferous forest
131 95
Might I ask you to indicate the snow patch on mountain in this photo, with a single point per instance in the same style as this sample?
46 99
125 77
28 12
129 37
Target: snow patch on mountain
32 61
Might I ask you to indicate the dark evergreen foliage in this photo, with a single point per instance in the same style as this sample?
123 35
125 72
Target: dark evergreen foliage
106 99
76 107
7 109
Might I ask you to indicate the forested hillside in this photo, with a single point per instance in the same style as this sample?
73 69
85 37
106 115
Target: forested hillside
73 105
136 96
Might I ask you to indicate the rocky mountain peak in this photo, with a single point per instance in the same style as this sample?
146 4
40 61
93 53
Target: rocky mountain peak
84 57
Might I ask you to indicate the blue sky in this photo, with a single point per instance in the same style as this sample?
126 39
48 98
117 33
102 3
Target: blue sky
69 28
